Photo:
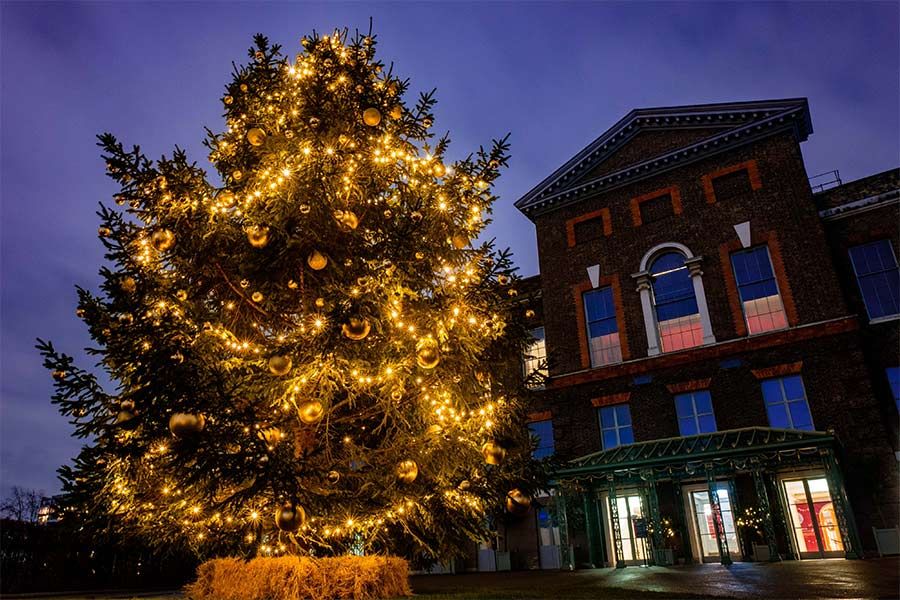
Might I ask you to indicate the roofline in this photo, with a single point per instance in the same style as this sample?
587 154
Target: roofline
624 129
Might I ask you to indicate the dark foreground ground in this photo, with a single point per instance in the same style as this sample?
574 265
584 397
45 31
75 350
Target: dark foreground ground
793 579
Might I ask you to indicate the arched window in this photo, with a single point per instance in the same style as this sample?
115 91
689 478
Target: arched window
675 303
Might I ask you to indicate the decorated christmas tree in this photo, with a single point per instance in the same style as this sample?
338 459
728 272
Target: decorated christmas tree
308 350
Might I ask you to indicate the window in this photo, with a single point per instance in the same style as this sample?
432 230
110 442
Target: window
656 209
535 357
543 431
695 413
879 280
893 376
602 328
732 185
677 315
615 426
758 291
589 229
786 403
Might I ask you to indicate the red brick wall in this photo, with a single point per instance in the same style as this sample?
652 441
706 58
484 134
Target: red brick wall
782 204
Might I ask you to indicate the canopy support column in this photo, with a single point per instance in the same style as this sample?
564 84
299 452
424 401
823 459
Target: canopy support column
614 517
762 497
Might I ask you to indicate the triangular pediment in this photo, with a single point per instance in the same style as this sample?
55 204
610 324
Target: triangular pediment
647 141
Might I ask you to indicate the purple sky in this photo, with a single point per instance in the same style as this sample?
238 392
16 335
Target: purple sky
555 75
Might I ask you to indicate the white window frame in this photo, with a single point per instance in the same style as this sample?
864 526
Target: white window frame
695 414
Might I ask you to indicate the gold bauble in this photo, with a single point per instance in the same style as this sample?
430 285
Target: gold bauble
181 295
493 453
438 170
517 503
290 517
256 136
270 435
427 354
333 477
372 117
104 231
59 375
257 297
126 419
317 261
228 99
258 236
459 241
162 239
320 302
280 365
347 219
128 285
464 485
237 175
396 112
226 198
397 395
311 412
407 471
529 314
184 424
356 328
502 279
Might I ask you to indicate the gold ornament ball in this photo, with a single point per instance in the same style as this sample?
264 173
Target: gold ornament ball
256 136
464 485
317 261
104 231
128 285
228 99
226 198
311 412
397 395
126 419
290 517
304 209
162 239
59 375
529 314
502 279
372 117
181 295
257 297
258 236
396 112
427 354
237 175
346 219
333 477
438 170
320 302
280 365
517 503
459 241
407 471
185 424
493 453
356 328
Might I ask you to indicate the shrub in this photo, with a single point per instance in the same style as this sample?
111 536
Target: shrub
301 578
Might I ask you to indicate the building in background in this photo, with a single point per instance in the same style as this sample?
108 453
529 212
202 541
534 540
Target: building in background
721 345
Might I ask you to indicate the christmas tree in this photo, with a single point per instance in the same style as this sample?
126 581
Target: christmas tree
309 352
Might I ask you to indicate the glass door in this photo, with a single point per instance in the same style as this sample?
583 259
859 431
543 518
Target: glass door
704 523
813 521
631 526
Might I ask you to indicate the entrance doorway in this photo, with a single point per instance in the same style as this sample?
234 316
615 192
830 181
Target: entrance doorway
814 526
703 517
632 528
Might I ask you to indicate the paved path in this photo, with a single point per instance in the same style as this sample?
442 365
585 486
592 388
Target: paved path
877 578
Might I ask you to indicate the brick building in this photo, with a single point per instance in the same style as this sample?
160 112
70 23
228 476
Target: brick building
721 342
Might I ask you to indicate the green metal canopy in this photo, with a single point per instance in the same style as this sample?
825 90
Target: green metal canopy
703 447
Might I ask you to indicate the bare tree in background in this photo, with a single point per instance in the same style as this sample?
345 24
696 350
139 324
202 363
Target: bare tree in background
22 504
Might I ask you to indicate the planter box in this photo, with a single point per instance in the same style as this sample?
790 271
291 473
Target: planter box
761 553
665 557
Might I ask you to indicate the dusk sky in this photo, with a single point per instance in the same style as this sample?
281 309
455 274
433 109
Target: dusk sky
553 75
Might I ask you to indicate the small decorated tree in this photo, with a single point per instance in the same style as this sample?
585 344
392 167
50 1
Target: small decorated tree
310 354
